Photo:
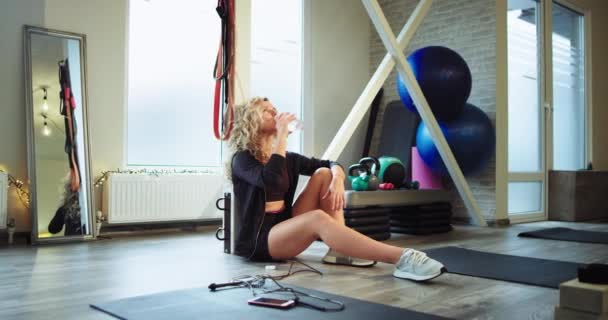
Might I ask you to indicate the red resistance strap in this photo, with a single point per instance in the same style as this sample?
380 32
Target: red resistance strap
69 104
224 73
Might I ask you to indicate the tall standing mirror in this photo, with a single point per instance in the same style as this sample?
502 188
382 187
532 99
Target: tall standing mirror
58 148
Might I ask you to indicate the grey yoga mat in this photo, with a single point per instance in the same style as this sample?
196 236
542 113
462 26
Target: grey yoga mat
567 234
533 271
231 304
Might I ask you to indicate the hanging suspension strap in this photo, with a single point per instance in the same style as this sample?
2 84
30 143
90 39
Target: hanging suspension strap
67 106
224 73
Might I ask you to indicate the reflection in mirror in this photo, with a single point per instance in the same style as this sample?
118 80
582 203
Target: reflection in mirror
57 135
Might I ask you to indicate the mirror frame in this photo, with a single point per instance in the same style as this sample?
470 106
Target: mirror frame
28 31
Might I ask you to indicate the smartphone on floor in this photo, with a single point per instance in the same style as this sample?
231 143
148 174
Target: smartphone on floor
272 302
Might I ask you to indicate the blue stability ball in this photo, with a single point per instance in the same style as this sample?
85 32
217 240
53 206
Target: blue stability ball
470 136
445 80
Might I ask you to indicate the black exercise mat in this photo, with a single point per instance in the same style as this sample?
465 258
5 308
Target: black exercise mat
231 304
371 124
398 133
567 234
533 271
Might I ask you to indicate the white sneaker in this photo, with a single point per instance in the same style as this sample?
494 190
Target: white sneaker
415 265
334 257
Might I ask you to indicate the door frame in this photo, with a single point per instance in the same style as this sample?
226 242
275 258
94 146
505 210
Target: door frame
545 100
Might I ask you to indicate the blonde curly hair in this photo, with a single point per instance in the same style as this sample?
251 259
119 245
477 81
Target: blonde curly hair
245 135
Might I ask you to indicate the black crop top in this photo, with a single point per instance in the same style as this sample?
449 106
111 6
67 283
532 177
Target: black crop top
277 192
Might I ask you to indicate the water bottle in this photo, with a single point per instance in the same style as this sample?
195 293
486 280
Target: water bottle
295 125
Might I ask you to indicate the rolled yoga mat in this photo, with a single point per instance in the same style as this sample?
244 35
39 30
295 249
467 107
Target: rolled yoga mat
567 234
398 133
231 304
532 271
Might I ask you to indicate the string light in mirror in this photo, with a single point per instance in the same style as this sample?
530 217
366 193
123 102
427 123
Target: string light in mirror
45 103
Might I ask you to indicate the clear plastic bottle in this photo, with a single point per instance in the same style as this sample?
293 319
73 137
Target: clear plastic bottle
295 125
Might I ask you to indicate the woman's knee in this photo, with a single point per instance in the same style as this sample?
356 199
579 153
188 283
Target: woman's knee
320 221
322 174
318 217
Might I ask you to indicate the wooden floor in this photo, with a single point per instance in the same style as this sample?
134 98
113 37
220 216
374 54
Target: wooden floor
60 281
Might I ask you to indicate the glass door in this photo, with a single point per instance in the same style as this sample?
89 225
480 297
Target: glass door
548 127
526 116
568 112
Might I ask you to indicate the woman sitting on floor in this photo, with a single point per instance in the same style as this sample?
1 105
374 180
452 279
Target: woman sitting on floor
273 227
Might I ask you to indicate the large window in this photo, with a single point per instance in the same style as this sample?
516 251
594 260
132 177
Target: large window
276 56
172 46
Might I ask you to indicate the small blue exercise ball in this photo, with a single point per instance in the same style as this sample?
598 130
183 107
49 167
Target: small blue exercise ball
445 80
471 137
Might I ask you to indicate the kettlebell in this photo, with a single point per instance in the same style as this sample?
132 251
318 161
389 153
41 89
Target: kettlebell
373 165
358 182
391 170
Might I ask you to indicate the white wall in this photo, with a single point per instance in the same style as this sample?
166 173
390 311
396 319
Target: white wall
104 24
13 159
336 59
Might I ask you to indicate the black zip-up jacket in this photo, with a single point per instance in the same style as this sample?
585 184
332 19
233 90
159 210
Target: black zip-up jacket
249 179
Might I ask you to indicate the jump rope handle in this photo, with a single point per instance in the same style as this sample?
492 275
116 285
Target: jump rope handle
215 286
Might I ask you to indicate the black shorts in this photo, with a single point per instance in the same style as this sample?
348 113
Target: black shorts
261 252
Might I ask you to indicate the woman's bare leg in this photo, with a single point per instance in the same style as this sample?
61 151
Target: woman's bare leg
310 198
289 238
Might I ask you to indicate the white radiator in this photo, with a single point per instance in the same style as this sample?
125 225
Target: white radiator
3 199
135 198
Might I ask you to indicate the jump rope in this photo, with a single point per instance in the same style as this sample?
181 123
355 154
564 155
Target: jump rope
256 284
